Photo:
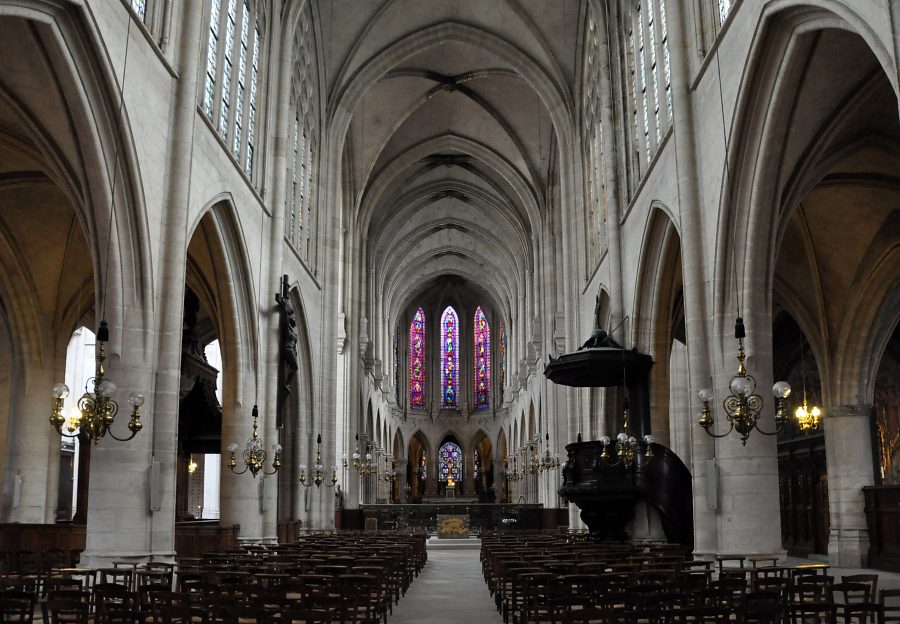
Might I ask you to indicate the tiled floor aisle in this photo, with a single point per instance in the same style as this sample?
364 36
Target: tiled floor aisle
450 590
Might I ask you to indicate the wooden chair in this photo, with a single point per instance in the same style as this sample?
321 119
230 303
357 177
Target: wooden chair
889 606
762 607
854 602
811 613
16 607
66 611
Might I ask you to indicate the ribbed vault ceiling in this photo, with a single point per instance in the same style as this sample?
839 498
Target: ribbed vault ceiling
451 146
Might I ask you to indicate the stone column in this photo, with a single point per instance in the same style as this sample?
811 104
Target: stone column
698 316
33 464
120 520
848 452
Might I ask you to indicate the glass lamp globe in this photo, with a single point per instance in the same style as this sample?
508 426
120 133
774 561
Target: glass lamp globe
706 395
741 386
106 388
60 391
781 390
136 399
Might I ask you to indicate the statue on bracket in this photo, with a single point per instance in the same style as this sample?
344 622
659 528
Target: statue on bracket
288 361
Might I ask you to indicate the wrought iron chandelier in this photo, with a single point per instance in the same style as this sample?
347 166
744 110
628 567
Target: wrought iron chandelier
254 454
627 446
97 408
318 473
743 405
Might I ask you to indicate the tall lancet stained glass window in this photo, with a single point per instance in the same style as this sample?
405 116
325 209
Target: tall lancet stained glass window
417 360
482 360
449 358
450 461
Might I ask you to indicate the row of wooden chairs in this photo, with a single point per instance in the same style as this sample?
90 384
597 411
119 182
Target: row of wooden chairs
542 578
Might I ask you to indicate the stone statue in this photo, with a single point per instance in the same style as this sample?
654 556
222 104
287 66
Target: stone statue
338 498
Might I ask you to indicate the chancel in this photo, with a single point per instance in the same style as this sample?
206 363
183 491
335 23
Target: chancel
432 287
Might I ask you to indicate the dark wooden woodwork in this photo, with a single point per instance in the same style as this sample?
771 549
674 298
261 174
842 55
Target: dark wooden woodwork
883 519
84 480
803 490
37 538
289 532
481 516
192 539
607 494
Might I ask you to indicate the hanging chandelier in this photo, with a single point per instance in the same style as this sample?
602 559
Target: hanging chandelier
743 405
97 408
390 470
627 447
318 473
254 454
192 466
364 465
515 474
548 461
807 416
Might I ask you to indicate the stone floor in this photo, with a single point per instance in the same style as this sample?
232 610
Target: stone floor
450 590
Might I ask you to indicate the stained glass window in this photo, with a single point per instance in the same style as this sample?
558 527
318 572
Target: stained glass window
212 51
449 357
417 360
397 366
724 10
450 464
482 360
140 8
652 32
241 82
251 119
501 352
665 44
229 96
643 79
423 466
476 465
230 24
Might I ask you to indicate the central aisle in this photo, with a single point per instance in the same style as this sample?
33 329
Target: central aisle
450 590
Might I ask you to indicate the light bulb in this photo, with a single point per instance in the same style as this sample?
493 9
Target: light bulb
801 413
706 395
60 391
781 390
815 411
